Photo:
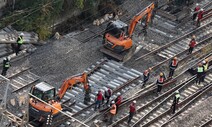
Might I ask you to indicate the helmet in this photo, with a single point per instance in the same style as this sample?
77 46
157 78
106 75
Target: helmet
134 101
8 58
5 58
203 62
197 4
22 34
177 91
113 102
201 9
175 58
193 36
106 88
161 74
118 93
96 92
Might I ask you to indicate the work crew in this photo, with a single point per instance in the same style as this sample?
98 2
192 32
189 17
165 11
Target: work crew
196 10
6 65
112 111
99 98
118 101
200 72
132 111
87 94
205 65
108 93
19 43
192 44
146 75
200 16
172 66
175 101
160 82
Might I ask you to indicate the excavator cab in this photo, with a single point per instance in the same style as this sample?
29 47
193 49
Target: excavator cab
43 91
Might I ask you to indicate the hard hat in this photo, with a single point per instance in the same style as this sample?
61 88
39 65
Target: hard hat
161 74
118 93
96 92
106 88
201 9
175 58
134 101
113 102
8 58
197 4
22 34
193 36
177 91
203 62
5 58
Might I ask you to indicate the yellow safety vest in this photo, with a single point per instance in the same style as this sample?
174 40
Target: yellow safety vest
177 96
20 41
205 67
200 69
7 64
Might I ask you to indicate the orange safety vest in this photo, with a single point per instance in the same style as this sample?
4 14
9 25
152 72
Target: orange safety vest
161 80
113 109
146 72
174 63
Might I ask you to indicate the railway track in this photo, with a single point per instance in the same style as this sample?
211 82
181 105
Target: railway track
206 122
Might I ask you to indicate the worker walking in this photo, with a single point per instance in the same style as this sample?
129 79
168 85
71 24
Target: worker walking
108 94
192 44
175 101
205 65
172 66
118 101
6 65
19 43
199 16
196 10
146 75
87 97
112 112
200 72
160 82
132 111
98 100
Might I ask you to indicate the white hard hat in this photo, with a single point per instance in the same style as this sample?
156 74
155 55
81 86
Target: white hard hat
22 34
113 102
134 101
106 88
197 4
118 93
177 91
5 58
203 62
8 58
201 9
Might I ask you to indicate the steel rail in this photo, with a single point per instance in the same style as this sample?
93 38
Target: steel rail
172 42
207 123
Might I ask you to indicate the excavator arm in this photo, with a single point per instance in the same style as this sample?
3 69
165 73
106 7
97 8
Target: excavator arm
147 11
69 83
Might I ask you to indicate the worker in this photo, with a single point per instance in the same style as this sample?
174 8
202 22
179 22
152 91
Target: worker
19 43
146 75
132 111
200 72
108 93
6 65
172 66
192 44
175 101
160 82
199 16
98 100
87 97
196 10
118 101
112 111
205 65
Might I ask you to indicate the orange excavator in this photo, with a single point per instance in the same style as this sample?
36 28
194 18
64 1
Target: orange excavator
39 110
118 36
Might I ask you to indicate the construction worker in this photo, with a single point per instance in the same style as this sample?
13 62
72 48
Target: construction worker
108 94
160 82
175 101
196 10
118 101
98 100
200 72
6 65
172 66
87 94
112 111
205 65
146 74
132 111
19 43
199 16
192 44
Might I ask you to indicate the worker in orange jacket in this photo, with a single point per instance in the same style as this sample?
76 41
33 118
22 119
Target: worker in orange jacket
112 112
192 44
172 66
